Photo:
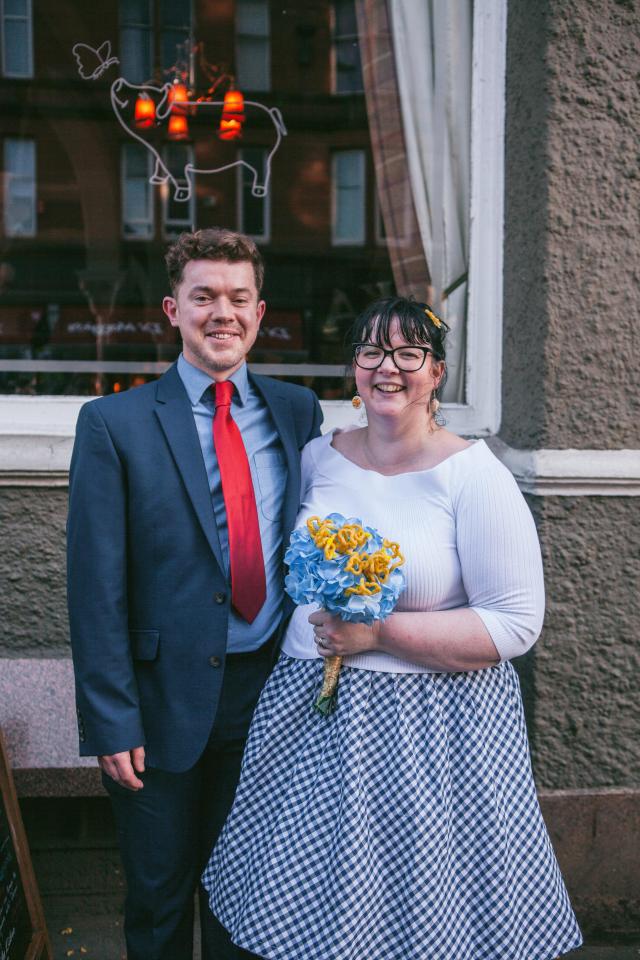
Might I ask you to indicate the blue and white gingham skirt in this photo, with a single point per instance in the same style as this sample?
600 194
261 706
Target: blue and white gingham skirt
404 827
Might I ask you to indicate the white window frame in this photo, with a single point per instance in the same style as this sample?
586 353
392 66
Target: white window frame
266 50
358 239
265 236
36 433
29 19
170 225
149 220
31 179
335 36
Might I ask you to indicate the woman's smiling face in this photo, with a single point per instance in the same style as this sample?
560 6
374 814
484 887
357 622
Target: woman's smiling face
389 391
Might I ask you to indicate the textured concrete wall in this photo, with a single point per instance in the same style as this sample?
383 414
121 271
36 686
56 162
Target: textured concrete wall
572 260
33 619
581 680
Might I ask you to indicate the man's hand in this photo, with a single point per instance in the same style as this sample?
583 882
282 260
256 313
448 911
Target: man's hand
122 767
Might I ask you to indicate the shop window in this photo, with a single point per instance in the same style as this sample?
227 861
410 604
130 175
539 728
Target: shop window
254 213
20 188
177 215
396 187
346 48
349 200
253 40
137 196
17 38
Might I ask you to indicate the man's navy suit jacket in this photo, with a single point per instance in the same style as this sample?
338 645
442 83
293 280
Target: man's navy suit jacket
148 594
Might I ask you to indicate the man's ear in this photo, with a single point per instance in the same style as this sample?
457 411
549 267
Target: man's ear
170 307
260 311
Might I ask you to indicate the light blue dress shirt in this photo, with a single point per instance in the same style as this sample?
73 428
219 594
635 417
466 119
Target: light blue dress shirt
268 472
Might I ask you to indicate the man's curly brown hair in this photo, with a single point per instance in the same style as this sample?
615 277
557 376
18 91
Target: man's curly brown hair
214 243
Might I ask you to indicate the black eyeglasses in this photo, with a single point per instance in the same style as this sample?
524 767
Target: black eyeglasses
409 359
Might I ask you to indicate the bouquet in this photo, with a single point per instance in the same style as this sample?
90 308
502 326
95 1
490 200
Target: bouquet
348 569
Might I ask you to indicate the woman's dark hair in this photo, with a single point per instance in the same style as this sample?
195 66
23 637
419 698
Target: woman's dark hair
414 320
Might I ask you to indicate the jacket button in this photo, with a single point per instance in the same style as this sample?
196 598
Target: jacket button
215 661
220 597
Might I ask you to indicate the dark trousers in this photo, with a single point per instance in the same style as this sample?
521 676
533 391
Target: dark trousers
166 830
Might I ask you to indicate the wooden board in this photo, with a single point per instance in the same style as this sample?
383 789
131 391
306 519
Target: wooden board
23 933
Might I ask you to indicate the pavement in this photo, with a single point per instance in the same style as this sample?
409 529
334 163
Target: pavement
98 935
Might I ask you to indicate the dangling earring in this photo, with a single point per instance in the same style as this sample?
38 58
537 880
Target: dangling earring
435 404
356 402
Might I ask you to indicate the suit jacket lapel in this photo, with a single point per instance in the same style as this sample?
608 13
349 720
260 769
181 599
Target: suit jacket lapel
176 419
280 409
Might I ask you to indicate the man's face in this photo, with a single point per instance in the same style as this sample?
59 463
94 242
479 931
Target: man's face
217 311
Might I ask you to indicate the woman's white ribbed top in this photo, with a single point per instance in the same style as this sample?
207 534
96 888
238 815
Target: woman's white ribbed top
466 533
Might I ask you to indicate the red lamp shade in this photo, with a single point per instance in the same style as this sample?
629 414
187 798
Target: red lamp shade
179 98
230 129
233 104
178 127
145 112
232 116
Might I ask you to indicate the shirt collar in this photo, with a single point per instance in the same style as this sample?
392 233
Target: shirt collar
197 383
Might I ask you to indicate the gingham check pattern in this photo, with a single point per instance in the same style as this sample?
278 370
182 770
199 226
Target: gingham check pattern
404 827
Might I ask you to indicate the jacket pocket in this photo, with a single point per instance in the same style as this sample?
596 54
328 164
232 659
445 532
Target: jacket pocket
144 644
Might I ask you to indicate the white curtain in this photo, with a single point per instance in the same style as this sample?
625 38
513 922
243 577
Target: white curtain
432 42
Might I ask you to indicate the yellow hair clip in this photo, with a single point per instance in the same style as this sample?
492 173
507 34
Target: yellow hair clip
436 321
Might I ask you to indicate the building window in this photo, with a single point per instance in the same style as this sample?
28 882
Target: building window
348 222
20 188
136 40
175 31
17 38
137 196
177 215
254 213
154 35
253 39
346 48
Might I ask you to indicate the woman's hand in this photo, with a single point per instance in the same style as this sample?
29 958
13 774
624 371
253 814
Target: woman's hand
339 638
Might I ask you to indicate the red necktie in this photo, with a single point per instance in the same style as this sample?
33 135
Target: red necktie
248 583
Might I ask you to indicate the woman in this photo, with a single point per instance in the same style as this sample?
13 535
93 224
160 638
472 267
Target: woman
405 826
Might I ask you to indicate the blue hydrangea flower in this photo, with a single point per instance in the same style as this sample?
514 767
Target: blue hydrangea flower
314 579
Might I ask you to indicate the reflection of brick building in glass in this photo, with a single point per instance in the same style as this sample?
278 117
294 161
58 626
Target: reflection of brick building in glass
82 273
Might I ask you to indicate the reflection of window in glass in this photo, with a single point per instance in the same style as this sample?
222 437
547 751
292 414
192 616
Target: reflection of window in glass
17 38
135 40
348 196
346 48
20 188
137 21
254 213
253 54
137 192
175 17
177 215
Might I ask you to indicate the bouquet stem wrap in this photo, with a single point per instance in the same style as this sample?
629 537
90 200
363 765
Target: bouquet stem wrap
347 569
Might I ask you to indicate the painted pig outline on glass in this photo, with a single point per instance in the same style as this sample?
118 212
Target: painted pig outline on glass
123 96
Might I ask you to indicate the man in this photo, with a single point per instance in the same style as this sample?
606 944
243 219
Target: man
183 493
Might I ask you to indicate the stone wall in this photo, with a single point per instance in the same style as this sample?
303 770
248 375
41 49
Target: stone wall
572 217
33 618
570 370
